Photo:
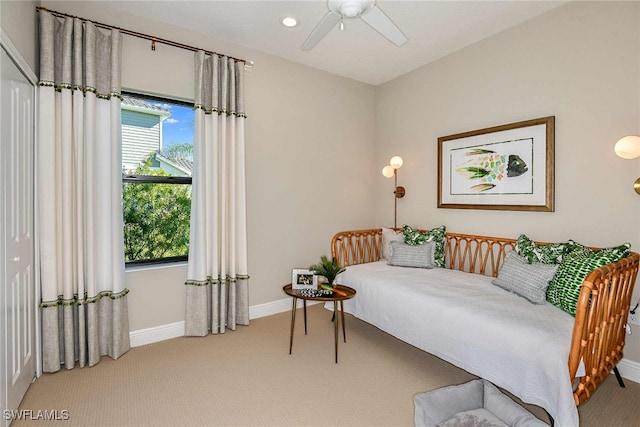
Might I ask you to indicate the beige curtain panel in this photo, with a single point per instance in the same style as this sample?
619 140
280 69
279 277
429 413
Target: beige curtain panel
217 277
79 195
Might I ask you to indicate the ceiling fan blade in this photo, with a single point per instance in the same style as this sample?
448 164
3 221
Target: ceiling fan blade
385 26
327 23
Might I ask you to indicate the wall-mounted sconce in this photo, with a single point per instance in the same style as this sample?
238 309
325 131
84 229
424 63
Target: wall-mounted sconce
392 171
628 147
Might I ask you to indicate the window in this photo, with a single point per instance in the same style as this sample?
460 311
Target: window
157 161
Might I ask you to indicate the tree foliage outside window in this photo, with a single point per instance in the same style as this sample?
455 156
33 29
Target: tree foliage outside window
156 217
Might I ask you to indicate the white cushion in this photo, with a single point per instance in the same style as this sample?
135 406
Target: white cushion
389 235
474 418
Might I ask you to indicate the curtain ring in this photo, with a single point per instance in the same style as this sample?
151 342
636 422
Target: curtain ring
153 43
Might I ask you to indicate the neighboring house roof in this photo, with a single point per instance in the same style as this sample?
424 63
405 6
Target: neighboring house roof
184 165
135 104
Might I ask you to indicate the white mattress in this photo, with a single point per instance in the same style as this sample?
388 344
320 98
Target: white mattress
481 328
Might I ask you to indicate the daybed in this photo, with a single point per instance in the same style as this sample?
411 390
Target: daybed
541 354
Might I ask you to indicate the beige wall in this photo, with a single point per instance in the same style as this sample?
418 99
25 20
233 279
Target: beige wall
579 62
18 20
309 158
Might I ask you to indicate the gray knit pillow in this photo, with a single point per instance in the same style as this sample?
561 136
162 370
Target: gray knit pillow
527 280
420 256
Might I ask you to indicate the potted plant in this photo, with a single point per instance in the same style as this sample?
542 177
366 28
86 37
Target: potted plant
327 268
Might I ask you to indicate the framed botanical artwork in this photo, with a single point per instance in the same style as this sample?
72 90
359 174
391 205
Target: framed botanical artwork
508 167
303 279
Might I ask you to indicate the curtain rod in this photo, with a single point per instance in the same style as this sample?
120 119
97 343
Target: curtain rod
153 39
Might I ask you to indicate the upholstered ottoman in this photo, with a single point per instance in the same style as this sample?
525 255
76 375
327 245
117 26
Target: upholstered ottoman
477 403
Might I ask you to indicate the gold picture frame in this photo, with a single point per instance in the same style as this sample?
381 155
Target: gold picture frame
507 167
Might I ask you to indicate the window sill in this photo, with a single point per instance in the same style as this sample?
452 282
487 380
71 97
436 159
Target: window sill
155 266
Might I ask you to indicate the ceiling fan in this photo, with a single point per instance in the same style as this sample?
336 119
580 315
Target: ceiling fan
365 10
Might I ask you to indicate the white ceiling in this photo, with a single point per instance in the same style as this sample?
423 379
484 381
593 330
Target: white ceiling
434 29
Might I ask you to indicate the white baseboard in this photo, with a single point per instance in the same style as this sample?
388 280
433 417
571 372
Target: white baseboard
630 370
269 308
156 334
274 307
174 330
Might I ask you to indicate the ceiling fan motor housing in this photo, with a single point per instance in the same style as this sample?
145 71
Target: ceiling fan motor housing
363 9
350 8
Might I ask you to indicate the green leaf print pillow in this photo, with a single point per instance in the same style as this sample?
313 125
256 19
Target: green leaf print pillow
564 289
546 254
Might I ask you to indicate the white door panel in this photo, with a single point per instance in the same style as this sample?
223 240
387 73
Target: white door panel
17 287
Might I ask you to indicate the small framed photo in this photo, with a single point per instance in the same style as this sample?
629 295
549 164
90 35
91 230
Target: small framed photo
303 279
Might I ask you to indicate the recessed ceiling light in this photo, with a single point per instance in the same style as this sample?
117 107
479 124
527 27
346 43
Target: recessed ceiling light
289 21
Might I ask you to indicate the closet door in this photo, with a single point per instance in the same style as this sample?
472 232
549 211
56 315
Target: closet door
17 292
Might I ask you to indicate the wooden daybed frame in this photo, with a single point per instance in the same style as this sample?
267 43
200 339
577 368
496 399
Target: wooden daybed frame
603 306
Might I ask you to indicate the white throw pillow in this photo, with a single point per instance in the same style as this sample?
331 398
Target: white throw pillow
389 235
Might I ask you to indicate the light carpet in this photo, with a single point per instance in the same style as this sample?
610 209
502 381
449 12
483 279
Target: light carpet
247 378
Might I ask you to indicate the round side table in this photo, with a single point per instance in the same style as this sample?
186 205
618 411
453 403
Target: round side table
344 293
